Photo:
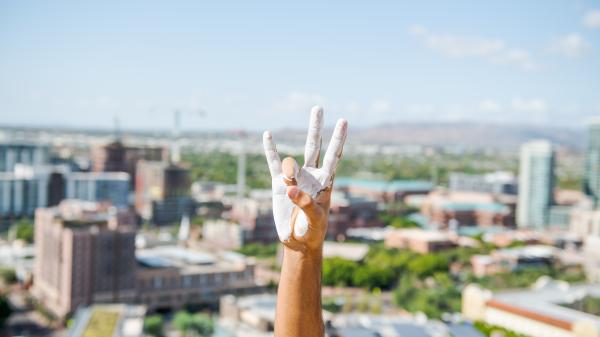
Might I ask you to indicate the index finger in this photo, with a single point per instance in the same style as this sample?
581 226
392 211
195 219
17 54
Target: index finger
334 149
271 153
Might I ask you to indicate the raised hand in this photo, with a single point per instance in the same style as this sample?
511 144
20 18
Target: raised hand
301 195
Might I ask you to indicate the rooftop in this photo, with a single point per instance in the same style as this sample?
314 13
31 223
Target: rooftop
188 259
124 176
348 251
386 186
475 206
108 320
532 251
420 234
546 300
255 308
400 326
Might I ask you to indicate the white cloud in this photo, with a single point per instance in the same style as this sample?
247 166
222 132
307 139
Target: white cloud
352 107
533 105
296 105
489 105
591 19
419 109
380 106
299 102
492 50
572 45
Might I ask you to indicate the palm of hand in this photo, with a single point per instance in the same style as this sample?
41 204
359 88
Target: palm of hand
301 195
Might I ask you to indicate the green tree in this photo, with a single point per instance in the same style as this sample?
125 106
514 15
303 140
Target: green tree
434 300
5 310
373 276
488 330
24 230
403 222
338 272
193 324
427 265
153 326
8 275
260 250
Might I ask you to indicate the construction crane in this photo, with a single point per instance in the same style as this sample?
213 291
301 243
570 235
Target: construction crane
176 132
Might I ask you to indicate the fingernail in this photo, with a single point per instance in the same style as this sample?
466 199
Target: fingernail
293 192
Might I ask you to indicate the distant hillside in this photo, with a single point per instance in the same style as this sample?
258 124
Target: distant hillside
470 134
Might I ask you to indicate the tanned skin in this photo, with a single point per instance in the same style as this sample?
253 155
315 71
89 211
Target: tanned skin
301 199
299 311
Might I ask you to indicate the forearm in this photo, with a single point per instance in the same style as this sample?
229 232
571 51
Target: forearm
299 311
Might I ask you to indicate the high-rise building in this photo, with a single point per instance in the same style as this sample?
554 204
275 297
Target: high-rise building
27 153
536 184
26 188
163 191
149 186
85 253
98 187
591 179
20 195
117 157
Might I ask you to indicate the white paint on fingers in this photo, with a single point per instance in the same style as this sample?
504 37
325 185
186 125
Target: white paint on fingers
271 153
313 139
282 209
334 150
308 181
301 224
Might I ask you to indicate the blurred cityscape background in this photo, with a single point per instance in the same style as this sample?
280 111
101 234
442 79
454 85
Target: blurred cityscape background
135 198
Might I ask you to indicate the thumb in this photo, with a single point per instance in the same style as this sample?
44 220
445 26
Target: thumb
311 209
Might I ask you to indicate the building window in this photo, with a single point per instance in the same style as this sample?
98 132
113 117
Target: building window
157 282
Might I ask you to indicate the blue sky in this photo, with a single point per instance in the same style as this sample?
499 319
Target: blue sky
258 65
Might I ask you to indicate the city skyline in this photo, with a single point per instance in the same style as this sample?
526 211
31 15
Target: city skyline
263 66
142 195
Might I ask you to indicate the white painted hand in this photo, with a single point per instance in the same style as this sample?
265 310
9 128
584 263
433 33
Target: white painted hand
300 187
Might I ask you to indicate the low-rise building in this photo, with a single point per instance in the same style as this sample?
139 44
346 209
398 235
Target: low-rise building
111 320
511 259
504 238
348 251
224 234
369 325
173 277
559 216
347 211
255 216
548 309
450 209
499 182
376 234
254 316
19 257
585 222
383 191
591 255
419 240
